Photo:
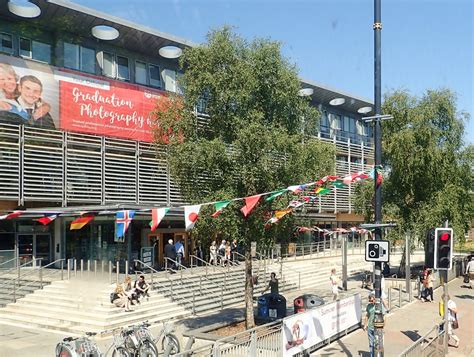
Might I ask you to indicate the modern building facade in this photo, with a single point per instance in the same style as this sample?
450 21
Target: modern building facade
75 133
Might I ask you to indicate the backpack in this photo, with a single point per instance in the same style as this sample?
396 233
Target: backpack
113 296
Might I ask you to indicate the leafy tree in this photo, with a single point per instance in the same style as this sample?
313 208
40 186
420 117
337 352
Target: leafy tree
428 170
255 139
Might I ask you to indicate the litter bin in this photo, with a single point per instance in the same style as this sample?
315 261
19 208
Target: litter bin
306 302
271 307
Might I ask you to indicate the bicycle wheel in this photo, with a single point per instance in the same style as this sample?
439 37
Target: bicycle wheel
120 352
147 349
64 351
171 340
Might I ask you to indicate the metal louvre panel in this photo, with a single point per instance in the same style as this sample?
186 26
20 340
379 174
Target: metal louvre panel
342 168
328 202
43 165
175 196
84 176
120 182
153 181
9 161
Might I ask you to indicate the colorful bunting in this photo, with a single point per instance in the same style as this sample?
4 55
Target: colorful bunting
80 222
295 204
322 190
275 194
157 215
46 219
339 184
122 222
219 207
250 203
14 214
191 214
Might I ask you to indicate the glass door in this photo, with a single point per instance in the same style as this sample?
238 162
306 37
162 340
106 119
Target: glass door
42 247
25 247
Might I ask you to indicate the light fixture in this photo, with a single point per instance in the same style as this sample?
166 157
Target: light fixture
337 101
170 52
305 92
24 8
106 33
364 110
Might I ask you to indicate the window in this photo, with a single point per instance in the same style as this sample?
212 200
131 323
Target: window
123 71
349 124
324 121
108 65
41 52
335 121
140 72
6 43
78 57
361 128
25 47
155 78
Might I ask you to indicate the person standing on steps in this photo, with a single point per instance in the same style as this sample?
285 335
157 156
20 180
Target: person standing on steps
179 253
334 280
170 252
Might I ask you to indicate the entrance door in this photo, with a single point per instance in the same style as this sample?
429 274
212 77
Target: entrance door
34 246
157 240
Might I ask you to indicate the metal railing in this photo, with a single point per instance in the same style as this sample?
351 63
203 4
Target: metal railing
430 344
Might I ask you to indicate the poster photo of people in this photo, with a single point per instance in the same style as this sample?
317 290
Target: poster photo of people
42 96
27 94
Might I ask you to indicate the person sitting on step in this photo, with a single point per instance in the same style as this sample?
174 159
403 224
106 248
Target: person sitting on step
141 287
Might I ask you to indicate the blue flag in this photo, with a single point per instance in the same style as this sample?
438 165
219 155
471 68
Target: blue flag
122 221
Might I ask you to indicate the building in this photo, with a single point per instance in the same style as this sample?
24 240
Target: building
77 89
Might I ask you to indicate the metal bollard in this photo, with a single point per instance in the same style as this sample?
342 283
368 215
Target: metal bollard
95 267
75 267
62 269
117 268
126 268
400 295
110 272
88 266
102 267
68 269
82 266
389 298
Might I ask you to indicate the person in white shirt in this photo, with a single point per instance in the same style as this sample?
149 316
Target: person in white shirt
452 319
334 284
470 271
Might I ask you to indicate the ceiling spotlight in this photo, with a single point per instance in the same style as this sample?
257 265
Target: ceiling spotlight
305 92
170 52
24 8
364 110
337 101
106 33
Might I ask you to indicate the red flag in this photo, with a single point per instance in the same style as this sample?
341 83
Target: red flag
14 214
250 203
46 219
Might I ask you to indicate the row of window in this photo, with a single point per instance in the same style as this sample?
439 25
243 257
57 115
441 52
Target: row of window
344 123
84 59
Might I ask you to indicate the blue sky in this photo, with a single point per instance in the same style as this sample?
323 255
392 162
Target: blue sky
426 44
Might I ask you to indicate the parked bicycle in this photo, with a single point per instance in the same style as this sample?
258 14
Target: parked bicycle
169 342
78 347
134 341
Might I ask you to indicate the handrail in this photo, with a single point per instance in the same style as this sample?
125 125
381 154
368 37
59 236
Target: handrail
202 260
173 261
167 288
239 254
17 268
9 260
227 260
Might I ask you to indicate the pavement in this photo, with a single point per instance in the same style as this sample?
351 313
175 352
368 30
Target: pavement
404 326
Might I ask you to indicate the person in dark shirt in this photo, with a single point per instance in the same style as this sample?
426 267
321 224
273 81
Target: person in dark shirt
272 284
170 252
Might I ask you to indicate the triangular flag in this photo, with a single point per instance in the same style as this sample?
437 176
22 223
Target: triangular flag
122 222
280 214
157 215
14 214
322 191
80 222
339 184
295 204
379 178
297 188
191 214
275 194
219 206
46 219
250 203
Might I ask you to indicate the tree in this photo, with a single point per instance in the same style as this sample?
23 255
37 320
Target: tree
428 169
255 140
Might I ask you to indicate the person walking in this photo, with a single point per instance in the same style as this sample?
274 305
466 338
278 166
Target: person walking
470 271
334 280
213 253
234 250
428 284
170 253
452 321
369 323
179 253
272 284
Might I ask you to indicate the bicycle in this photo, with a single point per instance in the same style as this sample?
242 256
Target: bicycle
133 341
78 347
169 342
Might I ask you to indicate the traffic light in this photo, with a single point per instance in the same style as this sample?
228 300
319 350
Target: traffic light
429 248
443 248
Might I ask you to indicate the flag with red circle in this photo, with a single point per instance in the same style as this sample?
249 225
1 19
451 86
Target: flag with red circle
191 214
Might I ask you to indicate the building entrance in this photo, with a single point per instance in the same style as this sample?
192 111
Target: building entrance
161 239
34 245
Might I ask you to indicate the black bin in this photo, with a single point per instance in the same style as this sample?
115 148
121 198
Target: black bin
306 302
271 307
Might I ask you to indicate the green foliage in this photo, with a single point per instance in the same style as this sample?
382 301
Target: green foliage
254 141
429 172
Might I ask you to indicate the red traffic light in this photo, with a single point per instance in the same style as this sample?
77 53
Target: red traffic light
444 236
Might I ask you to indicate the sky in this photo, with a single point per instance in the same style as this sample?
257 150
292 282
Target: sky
426 44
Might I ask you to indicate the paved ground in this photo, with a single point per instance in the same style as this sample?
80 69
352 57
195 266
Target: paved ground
412 321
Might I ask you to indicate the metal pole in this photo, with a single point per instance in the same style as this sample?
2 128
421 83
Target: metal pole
407 265
344 262
377 27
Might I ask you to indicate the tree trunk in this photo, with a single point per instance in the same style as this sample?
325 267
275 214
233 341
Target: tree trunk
249 319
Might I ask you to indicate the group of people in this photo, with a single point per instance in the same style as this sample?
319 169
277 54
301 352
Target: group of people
125 295
21 100
174 253
224 254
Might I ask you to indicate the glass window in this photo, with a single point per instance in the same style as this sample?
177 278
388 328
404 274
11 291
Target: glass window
140 72
41 52
87 59
6 43
335 121
108 65
71 55
324 119
25 47
155 79
179 86
361 128
123 72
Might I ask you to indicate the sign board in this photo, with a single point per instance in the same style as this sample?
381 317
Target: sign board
147 255
377 250
307 329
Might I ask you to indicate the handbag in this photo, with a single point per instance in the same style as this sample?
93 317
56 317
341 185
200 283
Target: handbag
455 323
466 279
